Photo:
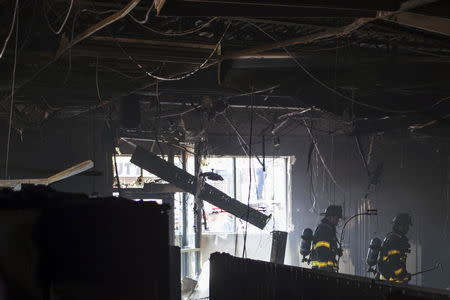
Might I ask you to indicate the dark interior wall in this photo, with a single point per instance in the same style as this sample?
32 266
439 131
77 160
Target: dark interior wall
413 180
59 145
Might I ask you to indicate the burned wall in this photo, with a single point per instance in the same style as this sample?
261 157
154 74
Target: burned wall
414 180
58 145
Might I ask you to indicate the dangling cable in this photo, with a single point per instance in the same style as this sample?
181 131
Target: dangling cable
158 118
15 21
11 30
119 189
244 251
316 146
146 15
63 23
182 76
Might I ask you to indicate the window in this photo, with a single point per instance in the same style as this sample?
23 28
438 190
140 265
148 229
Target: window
269 192
130 175
218 220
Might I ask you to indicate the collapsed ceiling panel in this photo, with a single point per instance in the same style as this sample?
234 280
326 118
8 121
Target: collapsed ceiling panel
182 179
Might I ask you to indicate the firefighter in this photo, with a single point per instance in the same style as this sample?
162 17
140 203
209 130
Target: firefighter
325 246
394 250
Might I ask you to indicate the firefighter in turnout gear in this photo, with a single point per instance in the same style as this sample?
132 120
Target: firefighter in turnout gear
394 250
325 246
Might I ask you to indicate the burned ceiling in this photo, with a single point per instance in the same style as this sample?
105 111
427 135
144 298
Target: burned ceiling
342 67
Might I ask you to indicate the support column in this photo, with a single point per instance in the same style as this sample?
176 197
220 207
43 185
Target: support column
184 238
198 207
170 199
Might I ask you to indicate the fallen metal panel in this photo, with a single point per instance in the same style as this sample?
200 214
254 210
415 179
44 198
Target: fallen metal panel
161 188
188 183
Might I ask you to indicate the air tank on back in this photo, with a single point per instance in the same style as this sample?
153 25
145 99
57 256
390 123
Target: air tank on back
373 252
305 244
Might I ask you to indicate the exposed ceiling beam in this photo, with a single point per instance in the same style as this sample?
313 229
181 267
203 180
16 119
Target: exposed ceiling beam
154 42
328 33
347 4
238 9
275 21
331 32
427 23
82 36
93 5
98 26
244 106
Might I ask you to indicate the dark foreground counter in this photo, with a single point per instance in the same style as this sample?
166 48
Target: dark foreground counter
68 246
242 279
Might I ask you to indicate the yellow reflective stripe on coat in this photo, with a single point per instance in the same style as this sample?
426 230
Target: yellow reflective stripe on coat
396 280
398 271
322 264
392 279
321 244
393 252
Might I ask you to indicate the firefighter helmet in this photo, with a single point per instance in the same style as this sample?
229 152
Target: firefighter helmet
333 211
402 219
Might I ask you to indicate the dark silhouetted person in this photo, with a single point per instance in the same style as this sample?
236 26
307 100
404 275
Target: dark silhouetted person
325 248
394 250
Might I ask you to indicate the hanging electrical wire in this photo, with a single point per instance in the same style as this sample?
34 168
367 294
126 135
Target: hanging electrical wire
72 31
103 12
96 82
180 113
185 75
317 80
119 188
64 21
316 146
158 118
11 29
363 158
146 15
11 109
95 28
438 102
313 196
121 73
241 140
269 89
180 33
244 250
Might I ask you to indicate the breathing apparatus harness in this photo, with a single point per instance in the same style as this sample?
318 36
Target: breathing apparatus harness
307 236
